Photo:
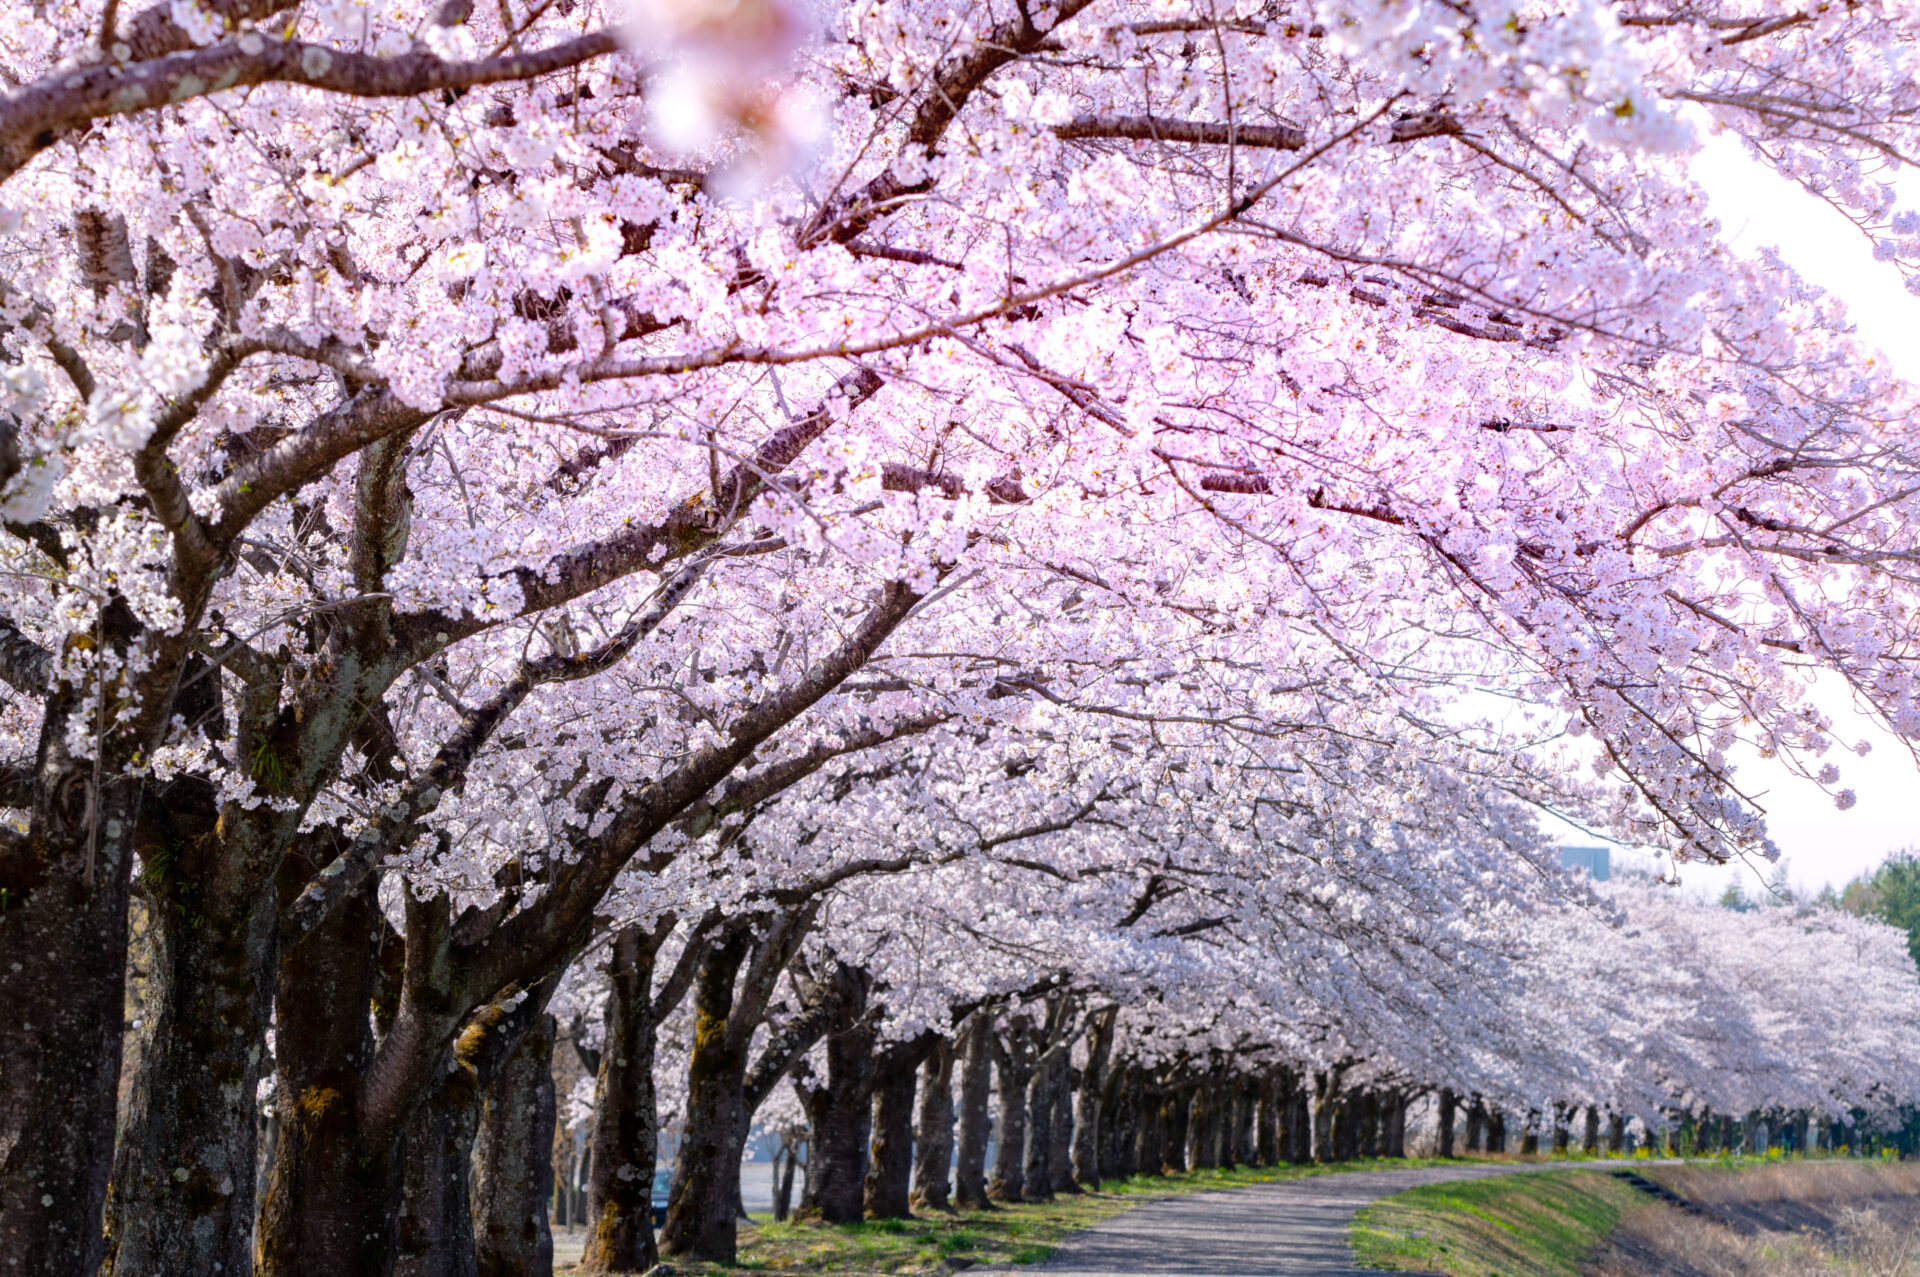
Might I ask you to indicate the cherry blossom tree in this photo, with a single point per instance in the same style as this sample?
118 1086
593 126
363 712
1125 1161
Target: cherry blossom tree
449 448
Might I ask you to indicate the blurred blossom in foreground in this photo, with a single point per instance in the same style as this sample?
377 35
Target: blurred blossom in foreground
728 73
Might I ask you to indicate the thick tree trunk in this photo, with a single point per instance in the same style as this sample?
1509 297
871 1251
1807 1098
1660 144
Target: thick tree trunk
1246 1125
1014 1065
513 1163
1476 1125
211 943
889 1180
434 1237
330 1205
1299 1124
975 1120
1496 1131
1448 1103
839 1111
1590 1137
1088 1115
63 951
1037 1162
933 1132
1266 1126
1617 1133
625 1137
702 1220
1397 1125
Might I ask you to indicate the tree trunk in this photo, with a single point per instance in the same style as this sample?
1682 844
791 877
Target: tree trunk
889 1179
701 1218
435 1237
1060 1153
211 936
1201 1148
1120 1125
1448 1103
1496 1132
1476 1125
1616 1133
63 953
1590 1137
1014 1064
513 1164
933 1132
840 1111
784 1163
1149 1149
1246 1133
1266 1126
1038 1163
1087 1115
1178 1111
1367 1139
1299 1124
625 1136
330 1205
975 1121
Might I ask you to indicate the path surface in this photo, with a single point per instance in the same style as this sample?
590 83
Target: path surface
1293 1228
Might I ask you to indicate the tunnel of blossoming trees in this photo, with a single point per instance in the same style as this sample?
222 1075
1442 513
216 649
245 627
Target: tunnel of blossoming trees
1008 591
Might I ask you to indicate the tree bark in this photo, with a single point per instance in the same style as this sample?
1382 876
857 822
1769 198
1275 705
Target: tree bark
1266 1125
1203 1144
933 1132
513 1166
1060 1127
1617 1133
1590 1137
889 1179
435 1233
330 1205
1448 1103
785 1162
1088 1118
625 1138
1037 1163
1150 1147
1014 1063
211 932
1476 1125
63 952
1177 1115
701 1219
975 1121
839 1111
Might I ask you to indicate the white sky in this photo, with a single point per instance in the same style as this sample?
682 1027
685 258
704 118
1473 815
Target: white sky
1820 844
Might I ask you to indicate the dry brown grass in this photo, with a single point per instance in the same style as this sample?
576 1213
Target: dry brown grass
1798 1219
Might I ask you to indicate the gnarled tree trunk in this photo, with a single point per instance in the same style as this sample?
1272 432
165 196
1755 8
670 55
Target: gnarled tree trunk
701 1220
839 1112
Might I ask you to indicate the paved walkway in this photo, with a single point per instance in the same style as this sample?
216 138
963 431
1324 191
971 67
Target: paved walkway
1292 1228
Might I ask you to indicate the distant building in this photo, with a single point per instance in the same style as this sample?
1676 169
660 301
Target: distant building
1597 861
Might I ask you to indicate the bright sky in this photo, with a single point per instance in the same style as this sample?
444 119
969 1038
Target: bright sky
1820 844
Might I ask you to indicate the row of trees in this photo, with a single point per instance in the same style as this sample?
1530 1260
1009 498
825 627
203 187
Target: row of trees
1029 510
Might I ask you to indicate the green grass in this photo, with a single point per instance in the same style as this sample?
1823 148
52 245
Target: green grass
1544 1222
1025 1233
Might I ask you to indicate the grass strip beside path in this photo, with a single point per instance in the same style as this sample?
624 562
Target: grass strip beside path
1021 1233
1544 1222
